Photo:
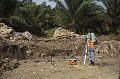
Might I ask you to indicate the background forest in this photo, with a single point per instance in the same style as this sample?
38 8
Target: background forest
79 16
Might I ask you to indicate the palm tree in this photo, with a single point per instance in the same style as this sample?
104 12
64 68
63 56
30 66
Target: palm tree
33 16
25 15
112 13
7 8
77 15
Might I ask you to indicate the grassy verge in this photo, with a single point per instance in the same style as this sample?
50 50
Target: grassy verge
116 37
51 32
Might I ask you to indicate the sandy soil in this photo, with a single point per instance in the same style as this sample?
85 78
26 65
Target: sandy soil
59 69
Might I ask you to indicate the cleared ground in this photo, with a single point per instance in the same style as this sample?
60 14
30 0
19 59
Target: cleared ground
59 69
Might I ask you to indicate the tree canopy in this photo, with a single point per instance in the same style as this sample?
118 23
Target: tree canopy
79 16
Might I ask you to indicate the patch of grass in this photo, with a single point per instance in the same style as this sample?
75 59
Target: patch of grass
115 37
51 32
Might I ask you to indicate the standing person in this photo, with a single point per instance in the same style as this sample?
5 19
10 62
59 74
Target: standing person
90 41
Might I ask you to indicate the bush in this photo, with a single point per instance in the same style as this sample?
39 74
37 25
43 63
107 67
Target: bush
51 32
116 37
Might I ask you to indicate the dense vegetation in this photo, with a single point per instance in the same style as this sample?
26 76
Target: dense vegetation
80 16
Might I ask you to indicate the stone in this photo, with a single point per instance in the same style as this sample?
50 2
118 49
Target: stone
5 30
27 35
60 32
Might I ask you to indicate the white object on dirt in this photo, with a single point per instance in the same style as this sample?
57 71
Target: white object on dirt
85 55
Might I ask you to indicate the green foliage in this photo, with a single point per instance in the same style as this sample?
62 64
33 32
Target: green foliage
25 15
115 37
51 32
7 8
112 14
35 16
79 15
31 14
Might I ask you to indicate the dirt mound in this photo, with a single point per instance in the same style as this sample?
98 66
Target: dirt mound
24 45
54 47
13 44
60 32
109 49
5 30
11 50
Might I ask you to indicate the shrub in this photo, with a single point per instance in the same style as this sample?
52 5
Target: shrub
116 37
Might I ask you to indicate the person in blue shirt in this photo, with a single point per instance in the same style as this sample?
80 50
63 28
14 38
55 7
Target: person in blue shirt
90 42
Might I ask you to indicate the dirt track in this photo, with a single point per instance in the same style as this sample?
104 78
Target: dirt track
59 69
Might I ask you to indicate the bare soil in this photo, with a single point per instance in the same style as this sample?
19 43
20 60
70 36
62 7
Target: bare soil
30 49
59 69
